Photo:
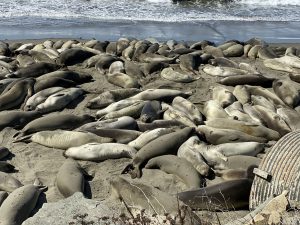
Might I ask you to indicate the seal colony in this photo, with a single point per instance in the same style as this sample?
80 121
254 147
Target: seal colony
191 119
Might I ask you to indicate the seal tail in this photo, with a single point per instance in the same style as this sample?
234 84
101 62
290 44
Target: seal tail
135 172
25 139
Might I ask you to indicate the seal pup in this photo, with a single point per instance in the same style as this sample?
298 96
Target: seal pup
178 166
165 95
123 80
53 82
290 116
177 76
250 79
19 204
235 50
173 114
70 178
8 183
55 121
223 71
67 75
19 93
212 110
151 111
188 108
222 61
222 95
168 143
288 91
104 62
242 94
227 195
59 100
188 151
262 101
238 162
17 119
63 139
149 136
40 97
100 152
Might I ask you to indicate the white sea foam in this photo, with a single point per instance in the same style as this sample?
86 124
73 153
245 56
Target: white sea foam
147 10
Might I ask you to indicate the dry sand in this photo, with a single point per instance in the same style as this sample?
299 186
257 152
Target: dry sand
36 161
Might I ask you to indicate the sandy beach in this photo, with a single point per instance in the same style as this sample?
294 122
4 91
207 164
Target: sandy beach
33 160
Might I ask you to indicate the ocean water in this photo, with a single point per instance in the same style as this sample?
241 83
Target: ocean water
166 18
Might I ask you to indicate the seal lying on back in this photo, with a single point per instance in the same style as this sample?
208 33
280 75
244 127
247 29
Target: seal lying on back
69 178
228 195
100 152
166 144
18 205
55 121
178 166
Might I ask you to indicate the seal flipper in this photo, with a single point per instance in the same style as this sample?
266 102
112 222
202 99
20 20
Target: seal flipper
25 139
135 172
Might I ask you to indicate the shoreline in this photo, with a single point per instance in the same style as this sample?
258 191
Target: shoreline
217 31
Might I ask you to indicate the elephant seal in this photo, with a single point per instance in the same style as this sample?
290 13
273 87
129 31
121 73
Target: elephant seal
104 62
121 136
8 183
59 100
73 56
159 124
134 70
273 120
217 136
235 50
290 116
67 75
222 61
100 152
17 119
166 95
189 62
35 70
17 94
53 82
150 57
262 101
111 96
174 114
3 152
178 166
151 111
235 174
116 67
124 122
248 128
3 196
19 204
223 96
123 80
70 178
6 167
148 198
63 139
5 82
227 195
55 121
287 91
212 110
40 97
166 144
149 136
223 71
239 162
184 105
153 67
177 76
266 53
242 94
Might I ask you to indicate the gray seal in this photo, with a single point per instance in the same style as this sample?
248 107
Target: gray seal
166 144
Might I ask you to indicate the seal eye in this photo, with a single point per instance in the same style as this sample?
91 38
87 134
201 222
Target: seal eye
279 83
